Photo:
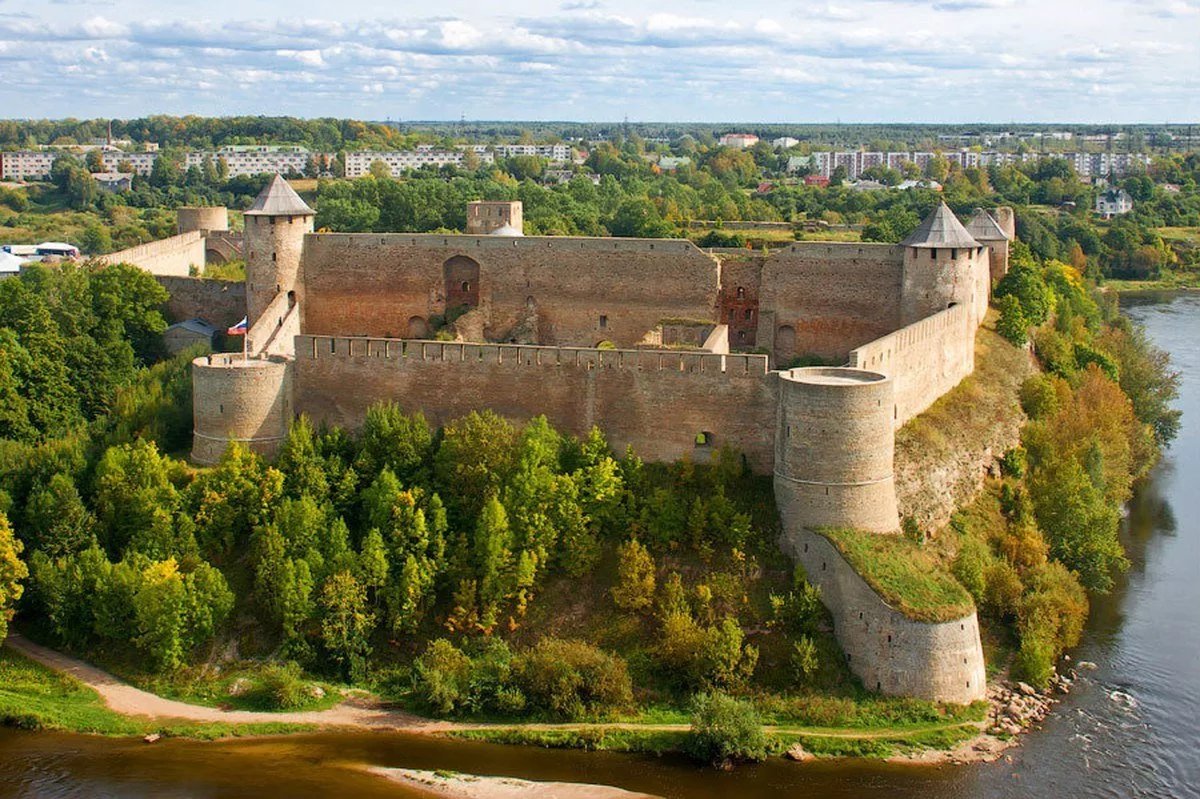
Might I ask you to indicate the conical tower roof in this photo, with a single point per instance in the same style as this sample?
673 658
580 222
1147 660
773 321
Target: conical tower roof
984 228
279 199
941 229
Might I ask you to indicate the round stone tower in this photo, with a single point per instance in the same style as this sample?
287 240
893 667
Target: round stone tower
940 260
834 447
214 218
236 399
275 226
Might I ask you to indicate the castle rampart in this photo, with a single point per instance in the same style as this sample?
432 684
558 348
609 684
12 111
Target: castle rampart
220 302
660 402
889 652
174 256
925 359
239 400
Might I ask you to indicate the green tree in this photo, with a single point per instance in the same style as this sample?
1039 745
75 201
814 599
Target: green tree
58 521
136 503
1012 323
233 498
475 459
346 623
391 439
634 590
12 573
160 607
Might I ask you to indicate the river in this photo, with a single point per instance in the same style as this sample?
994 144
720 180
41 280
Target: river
1144 636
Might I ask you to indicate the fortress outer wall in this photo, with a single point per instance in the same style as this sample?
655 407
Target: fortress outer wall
659 402
889 652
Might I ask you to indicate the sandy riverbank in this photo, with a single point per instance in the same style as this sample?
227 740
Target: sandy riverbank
471 786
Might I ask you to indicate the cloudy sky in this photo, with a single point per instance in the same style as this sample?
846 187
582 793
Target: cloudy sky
664 60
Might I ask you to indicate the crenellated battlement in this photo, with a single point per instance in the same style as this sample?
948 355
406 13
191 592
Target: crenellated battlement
528 355
525 244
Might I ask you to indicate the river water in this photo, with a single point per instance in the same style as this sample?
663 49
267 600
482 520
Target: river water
1129 728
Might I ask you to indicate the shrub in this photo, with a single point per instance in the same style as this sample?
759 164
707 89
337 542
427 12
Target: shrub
442 676
1055 351
1034 662
572 679
799 610
725 730
283 687
1039 398
805 660
1014 462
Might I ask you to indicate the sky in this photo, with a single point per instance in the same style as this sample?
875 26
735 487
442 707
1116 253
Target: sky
1086 61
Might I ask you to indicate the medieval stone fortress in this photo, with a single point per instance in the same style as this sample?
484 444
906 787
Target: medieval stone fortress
667 348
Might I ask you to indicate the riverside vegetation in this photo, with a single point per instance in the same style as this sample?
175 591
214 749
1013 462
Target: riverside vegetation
493 572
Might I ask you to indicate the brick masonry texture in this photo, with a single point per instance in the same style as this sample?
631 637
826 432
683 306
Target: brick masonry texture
655 401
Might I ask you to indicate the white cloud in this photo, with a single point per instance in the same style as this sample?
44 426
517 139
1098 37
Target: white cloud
817 59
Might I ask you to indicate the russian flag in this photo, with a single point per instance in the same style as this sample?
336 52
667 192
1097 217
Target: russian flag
239 329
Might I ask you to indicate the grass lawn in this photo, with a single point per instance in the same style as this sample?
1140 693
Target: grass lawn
909 577
33 697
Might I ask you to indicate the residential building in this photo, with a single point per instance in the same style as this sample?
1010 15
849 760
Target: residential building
1113 202
739 141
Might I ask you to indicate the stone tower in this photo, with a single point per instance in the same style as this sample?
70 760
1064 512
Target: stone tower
833 449
984 228
495 217
940 261
274 238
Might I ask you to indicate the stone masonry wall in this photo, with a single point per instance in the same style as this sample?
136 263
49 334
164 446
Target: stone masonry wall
174 256
583 290
219 302
825 299
656 401
888 651
925 359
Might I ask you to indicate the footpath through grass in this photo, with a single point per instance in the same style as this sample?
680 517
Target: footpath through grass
32 697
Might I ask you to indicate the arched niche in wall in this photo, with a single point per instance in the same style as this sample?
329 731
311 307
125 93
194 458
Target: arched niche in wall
461 275
418 327
785 344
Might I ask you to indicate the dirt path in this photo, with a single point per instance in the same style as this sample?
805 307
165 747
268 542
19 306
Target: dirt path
366 713
123 698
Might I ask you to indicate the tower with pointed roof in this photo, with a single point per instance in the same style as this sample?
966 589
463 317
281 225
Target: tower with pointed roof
941 261
985 228
275 226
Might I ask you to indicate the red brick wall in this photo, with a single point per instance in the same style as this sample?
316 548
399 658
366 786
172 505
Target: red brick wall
371 284
835 296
